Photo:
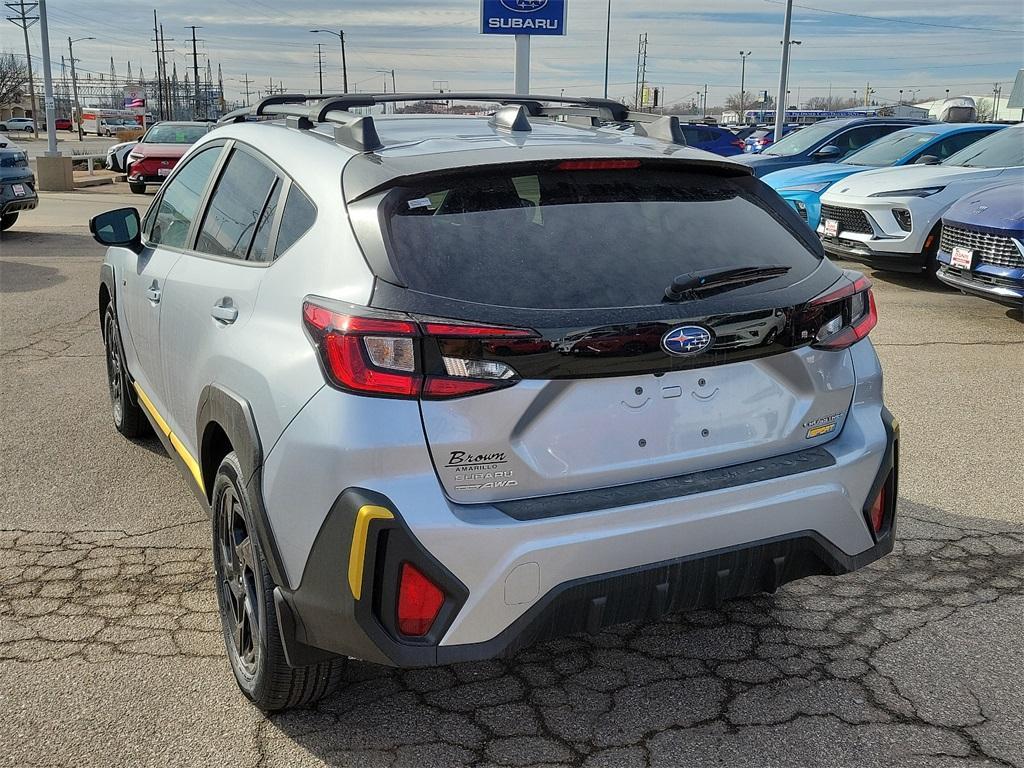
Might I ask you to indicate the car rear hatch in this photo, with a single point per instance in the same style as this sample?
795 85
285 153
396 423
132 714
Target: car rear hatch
552 359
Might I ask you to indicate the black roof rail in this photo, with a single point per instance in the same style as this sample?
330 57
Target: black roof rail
358 131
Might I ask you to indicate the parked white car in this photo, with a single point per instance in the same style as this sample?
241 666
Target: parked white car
891 218
117 155
12 124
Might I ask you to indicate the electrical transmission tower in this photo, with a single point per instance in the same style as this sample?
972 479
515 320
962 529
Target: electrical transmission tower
641 71
24 18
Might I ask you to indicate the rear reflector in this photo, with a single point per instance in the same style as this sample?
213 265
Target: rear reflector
876 515
419 602
597 165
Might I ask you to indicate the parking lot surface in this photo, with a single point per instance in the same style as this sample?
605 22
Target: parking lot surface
110 647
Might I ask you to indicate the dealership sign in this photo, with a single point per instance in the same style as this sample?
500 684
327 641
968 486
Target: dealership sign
522 17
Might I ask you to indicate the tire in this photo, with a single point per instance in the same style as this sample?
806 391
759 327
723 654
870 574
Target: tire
138 189
245 599
129 419
28 129
7 221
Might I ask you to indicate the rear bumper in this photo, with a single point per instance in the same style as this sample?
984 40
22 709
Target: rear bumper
514 580
11 203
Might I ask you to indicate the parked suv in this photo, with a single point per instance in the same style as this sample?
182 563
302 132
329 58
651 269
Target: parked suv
17 184
826 142
383 353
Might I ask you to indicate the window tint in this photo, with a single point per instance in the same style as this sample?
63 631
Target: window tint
888 150
693 135
852 140
953 144
298 216
585 239
180 199
236 206
260 250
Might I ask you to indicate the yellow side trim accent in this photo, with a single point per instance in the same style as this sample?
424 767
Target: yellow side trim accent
161 424
357 556
179 447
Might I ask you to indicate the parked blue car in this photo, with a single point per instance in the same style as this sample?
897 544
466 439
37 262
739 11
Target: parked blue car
826 142
763 138
802 187
981 250
711 138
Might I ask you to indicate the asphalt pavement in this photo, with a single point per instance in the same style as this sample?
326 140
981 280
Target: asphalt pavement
111 653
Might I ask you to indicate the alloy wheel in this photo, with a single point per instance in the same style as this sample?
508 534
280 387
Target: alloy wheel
239 583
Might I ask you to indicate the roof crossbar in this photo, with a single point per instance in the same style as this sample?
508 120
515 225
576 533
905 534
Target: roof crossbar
359 132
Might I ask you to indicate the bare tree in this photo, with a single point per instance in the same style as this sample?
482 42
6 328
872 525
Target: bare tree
751 100
13 79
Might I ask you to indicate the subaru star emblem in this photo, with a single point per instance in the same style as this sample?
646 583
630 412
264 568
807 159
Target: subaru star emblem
524 6
686 340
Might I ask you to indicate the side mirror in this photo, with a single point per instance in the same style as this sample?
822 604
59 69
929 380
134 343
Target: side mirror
120 228
828 152
927 160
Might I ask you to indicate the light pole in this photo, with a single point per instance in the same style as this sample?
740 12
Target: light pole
607 46
74 84
780 109
743 84
340 34
901 97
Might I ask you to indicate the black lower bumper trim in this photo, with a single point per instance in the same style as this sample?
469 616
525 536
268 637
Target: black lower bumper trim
884 260
668 488
648 592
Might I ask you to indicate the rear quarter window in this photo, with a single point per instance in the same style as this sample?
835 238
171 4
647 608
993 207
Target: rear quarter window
549 239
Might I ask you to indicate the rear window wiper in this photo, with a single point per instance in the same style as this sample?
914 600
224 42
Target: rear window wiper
691 285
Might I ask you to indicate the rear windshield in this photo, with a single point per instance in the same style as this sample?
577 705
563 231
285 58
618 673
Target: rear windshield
554 239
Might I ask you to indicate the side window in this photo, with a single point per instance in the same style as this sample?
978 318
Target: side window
180 200
693 135
298 216
953 144
237 206
260 250
858 138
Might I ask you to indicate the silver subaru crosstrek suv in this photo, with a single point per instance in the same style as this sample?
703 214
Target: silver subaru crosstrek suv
451 385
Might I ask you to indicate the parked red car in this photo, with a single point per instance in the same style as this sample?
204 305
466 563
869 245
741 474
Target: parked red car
156 154
63 124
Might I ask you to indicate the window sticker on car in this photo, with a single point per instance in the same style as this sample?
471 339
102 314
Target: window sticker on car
420 202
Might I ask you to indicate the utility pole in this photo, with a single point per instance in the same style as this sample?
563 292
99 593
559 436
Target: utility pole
867 94
997 92
743 86
783 101
246 81
320 65
74 89
167 80
24 20
704 111
195 66
607 46
51 114
340 34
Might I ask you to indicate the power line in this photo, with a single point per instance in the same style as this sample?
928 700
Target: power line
896 20
24 20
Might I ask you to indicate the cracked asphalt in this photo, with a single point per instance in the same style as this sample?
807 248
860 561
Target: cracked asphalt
111 653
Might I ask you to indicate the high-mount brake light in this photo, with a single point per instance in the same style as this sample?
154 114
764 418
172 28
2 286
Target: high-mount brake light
598 165
387 354
847 315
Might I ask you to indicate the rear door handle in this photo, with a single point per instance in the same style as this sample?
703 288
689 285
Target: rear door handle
225 312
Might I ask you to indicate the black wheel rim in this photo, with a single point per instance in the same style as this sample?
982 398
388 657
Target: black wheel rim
115 375
239 587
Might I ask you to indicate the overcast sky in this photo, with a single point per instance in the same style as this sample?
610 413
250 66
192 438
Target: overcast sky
909 44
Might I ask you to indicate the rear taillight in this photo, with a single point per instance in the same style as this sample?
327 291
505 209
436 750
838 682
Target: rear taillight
419 602
844 316
739 143
389 354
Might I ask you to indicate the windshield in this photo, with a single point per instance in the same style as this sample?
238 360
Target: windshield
889 149
1003 149
547 238
175 134
802 140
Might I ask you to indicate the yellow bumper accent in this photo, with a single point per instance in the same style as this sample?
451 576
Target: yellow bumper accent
179 447
357 556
